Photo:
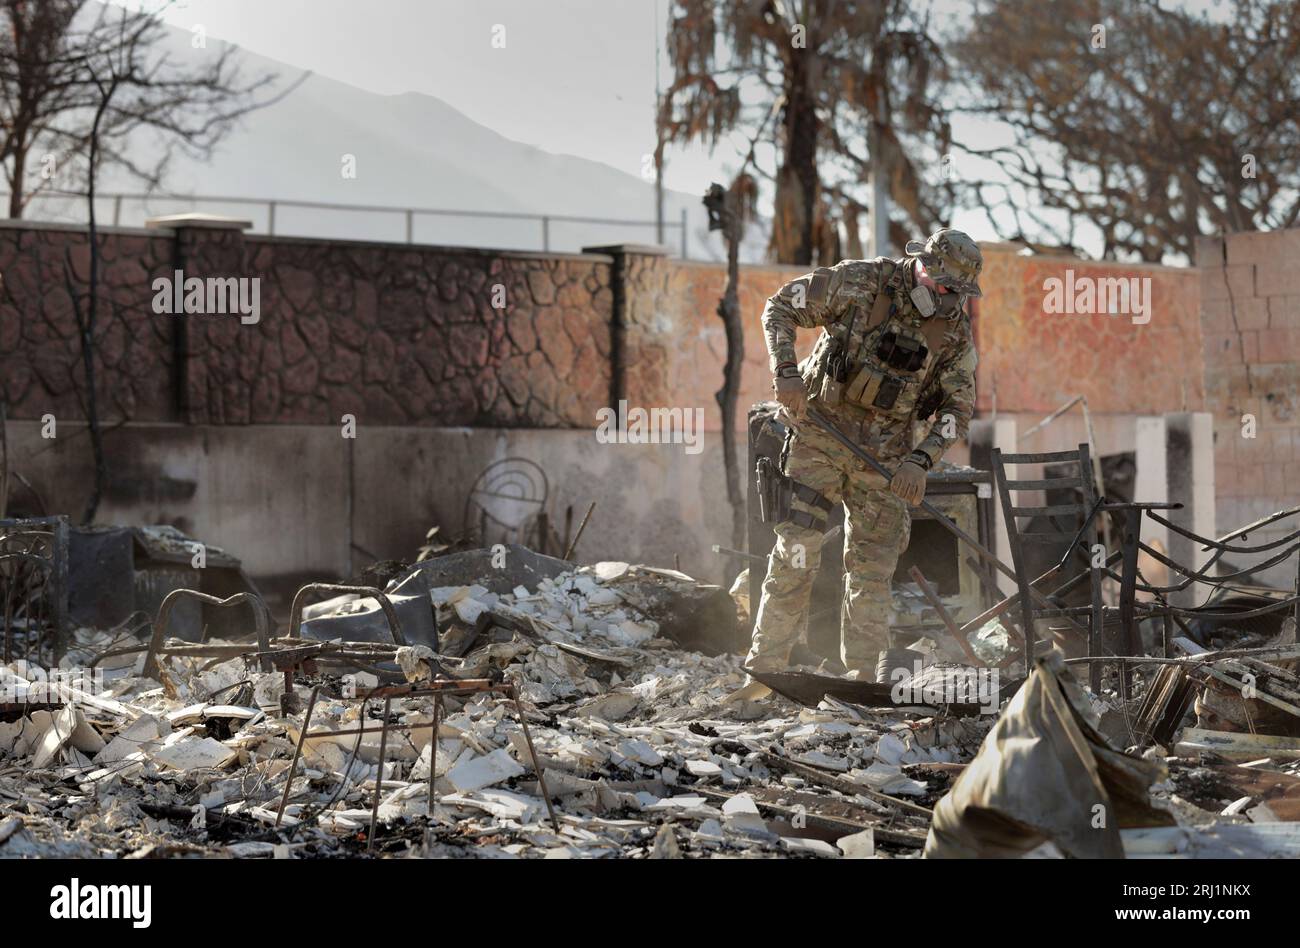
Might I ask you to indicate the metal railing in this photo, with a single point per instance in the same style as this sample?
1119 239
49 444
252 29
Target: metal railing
409 214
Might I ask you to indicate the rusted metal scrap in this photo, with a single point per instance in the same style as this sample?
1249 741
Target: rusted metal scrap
437 690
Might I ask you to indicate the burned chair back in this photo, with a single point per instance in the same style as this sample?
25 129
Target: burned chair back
1077 480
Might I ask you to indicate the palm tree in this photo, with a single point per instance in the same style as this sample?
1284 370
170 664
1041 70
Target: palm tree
852 86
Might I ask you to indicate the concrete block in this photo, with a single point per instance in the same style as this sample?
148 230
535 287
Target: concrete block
1251 247
1209 252
1216 315
1221 348
1279 345
1284 312
1214 284
1242 280
1250 346
1281 278
1251 313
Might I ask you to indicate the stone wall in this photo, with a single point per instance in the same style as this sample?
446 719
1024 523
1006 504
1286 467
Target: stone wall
401 335
393 335
43 274
409 338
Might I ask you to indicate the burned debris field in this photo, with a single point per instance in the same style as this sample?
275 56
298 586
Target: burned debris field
859 440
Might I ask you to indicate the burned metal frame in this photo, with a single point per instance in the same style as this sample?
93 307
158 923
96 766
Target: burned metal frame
261 619
29 535
394 624
1087 508
1129 577
437 690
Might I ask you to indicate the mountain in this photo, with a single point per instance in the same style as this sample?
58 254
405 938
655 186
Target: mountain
411 151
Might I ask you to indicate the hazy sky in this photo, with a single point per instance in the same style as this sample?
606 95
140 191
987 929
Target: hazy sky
575 76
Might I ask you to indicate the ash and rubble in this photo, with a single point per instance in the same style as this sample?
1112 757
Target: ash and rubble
644 749
641 753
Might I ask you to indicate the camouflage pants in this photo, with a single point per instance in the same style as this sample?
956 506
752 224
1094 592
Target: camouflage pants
877 528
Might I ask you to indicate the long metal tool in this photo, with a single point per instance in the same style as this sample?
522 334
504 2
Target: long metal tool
932 597
986 554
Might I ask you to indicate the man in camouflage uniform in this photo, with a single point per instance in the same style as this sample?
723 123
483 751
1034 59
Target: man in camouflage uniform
895 349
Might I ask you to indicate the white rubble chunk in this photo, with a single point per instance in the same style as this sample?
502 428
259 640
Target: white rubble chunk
610 570
57 734
611 706
890 749
193 753
502 804
892 780
641 752
483 771
677 803
10 732
703 768
858 845
814 847
630 633
742 814
823 761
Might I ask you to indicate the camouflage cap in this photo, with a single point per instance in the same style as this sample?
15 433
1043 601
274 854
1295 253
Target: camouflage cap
952 259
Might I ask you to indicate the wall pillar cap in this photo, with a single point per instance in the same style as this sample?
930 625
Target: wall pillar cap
200 221
615 250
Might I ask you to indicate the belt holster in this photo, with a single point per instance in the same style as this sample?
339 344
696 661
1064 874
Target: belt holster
775 491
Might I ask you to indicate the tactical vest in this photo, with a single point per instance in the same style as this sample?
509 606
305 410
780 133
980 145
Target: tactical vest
878 358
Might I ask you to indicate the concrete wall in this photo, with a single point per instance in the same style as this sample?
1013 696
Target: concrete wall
1250 314
1033 361
300 502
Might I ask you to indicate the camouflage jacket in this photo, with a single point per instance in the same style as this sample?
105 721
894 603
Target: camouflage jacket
839 300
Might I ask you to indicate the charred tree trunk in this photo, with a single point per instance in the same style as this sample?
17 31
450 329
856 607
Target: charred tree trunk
798 183
728 213
16 190
86 322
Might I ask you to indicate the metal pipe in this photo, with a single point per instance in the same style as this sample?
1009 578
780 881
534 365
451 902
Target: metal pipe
528 738
297 753
582 526
379 776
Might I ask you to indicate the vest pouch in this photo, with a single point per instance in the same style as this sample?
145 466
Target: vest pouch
887 394
876 390
833 373
864 386
831 392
